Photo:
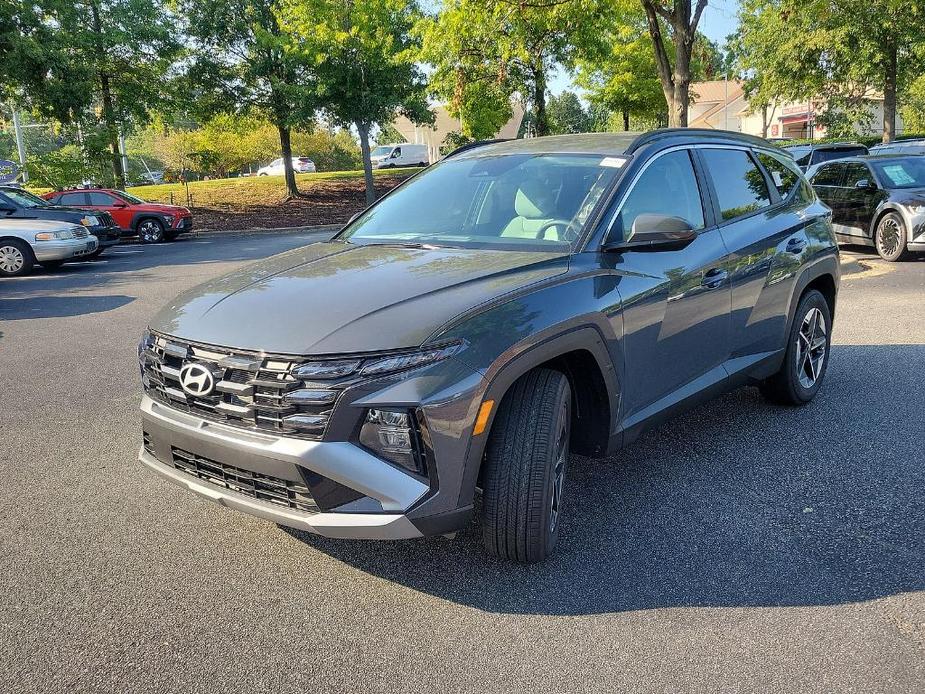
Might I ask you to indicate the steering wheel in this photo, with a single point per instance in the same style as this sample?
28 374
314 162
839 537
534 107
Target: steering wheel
568 224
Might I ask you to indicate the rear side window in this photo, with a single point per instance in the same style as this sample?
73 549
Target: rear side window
72 199
100 199
786 176
740 186
668 186
828 175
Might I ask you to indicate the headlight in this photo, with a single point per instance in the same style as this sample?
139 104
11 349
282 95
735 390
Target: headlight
401 362
55 235
90 221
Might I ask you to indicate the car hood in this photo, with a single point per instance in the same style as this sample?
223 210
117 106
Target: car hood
338 298
69 214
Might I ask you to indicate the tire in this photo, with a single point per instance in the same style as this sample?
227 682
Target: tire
97 253
800 377
890 238
16 258
150 230
52 265
525 466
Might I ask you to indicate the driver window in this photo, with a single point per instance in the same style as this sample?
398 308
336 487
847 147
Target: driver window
396 153
669 187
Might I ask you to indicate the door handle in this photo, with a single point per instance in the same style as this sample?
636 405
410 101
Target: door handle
714 278
796 245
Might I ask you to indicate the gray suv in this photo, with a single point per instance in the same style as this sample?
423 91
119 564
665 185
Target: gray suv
513 304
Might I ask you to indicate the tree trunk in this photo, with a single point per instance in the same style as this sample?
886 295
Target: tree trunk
109 111
677 112
363 130
626 119
764 121
541 122
889 93
285 145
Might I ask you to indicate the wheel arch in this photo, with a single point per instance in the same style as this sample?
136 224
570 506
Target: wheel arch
883 212
23 242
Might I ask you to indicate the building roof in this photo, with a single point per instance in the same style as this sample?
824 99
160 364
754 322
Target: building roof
710 98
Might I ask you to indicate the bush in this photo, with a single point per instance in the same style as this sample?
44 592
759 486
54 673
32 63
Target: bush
867 140
59 169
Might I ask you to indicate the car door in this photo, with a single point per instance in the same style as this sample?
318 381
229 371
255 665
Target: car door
763 205
859 197
827 184
118 209
675 303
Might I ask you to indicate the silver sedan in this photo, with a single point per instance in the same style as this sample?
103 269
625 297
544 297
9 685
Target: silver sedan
25 242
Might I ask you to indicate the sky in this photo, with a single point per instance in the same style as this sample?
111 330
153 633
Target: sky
717 22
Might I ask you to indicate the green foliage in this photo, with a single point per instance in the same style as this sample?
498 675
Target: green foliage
362 58
567 115
60 168
913 110
483 51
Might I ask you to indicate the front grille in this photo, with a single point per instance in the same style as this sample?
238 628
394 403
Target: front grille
81 233
275 490
249 387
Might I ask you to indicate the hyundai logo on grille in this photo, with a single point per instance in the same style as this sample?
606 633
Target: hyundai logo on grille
197 380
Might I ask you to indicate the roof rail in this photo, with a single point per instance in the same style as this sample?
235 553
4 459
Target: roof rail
726 135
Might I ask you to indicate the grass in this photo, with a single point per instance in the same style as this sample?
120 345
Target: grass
248 190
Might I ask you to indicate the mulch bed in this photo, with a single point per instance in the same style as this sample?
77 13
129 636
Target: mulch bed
326 202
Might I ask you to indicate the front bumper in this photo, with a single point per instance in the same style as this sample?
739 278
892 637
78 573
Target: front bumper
283 459
107 236
64 249
182 224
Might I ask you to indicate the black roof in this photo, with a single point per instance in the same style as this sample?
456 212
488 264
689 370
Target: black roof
827 145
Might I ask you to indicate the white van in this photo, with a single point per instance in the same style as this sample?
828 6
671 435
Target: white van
404 154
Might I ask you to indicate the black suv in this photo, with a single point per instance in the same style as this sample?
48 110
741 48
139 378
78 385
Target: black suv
17 203
809 155
511 304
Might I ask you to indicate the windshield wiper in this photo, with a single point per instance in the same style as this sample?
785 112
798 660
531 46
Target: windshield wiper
401 244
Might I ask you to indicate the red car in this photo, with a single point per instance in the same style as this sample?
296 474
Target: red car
151 221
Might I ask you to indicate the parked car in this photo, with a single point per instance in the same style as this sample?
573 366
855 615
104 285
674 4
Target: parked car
511 304
25 242
152 222
876 201
807 155
276 168
17 203
916 146
404 154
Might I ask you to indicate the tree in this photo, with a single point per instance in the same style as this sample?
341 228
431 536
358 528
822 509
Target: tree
839 53
244 63
99 65
362 57
913 110
622 77
681 20
567 115
483 51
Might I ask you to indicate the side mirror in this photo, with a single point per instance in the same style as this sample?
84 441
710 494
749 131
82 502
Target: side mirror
119 204
656 232
865 184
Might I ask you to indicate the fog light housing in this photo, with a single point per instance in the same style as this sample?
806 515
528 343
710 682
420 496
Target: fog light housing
391 435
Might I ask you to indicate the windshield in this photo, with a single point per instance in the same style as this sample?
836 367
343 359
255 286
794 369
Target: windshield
380 151
901 173
129 198
24 198
516 201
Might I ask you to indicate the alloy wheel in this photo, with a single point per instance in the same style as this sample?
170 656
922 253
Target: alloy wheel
888 237
811 348
11 259
150 231
561 460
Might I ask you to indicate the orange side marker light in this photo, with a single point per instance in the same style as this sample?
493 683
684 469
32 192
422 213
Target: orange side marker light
481 421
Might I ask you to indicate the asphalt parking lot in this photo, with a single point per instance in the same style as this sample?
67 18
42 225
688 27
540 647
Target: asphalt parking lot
742 547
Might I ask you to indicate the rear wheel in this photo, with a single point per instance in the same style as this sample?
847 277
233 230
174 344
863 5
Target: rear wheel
801 374
525 468
150 231
15 258
890 238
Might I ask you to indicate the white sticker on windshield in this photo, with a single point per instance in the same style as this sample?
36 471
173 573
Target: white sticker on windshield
614 162
778 179
898 175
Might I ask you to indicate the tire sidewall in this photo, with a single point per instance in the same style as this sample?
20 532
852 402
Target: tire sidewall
160 236
901 246
28 257
564 408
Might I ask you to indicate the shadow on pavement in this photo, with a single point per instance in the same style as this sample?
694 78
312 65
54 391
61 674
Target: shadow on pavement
59 306
737 503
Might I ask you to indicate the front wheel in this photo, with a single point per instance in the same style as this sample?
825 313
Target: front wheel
525 467
150 231
801 374
890 238
15 258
